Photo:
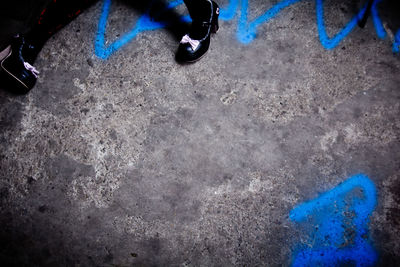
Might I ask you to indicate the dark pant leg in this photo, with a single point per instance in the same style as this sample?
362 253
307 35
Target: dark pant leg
53 17
199 10
17 16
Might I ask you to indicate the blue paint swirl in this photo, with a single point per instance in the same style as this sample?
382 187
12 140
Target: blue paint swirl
144 23
337 225
396 44
246 29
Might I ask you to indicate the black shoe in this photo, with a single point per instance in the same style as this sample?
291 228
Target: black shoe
18 73
194 45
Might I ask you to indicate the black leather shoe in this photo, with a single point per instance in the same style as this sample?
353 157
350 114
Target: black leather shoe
194 45
18 74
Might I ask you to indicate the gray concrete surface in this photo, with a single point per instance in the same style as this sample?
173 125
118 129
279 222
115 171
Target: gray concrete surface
139 161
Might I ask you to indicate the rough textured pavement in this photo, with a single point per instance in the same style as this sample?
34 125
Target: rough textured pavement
135 160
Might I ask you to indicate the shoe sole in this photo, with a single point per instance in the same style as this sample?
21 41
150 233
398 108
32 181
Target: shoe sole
5 52
195 60
3 68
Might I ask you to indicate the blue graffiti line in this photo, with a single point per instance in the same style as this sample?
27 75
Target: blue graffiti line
337 225
396 44
327 42
143 24
246 30
380 30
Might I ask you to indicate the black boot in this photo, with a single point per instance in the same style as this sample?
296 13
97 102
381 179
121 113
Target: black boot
16 68
17 72
194 45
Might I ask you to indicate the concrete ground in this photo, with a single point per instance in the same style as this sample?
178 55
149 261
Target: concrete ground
273 150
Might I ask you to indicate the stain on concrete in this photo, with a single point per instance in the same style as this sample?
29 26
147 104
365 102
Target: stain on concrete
62 168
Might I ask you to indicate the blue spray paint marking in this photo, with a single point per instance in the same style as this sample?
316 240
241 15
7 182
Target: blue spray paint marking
337 225
380 31
330 43
396 44
144 23
246 31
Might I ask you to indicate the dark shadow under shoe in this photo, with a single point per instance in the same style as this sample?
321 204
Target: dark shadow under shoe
194 45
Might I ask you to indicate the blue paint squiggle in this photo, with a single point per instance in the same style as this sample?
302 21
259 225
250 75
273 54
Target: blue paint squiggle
246 30
380 31
145 23
337 225
330 43
396 44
